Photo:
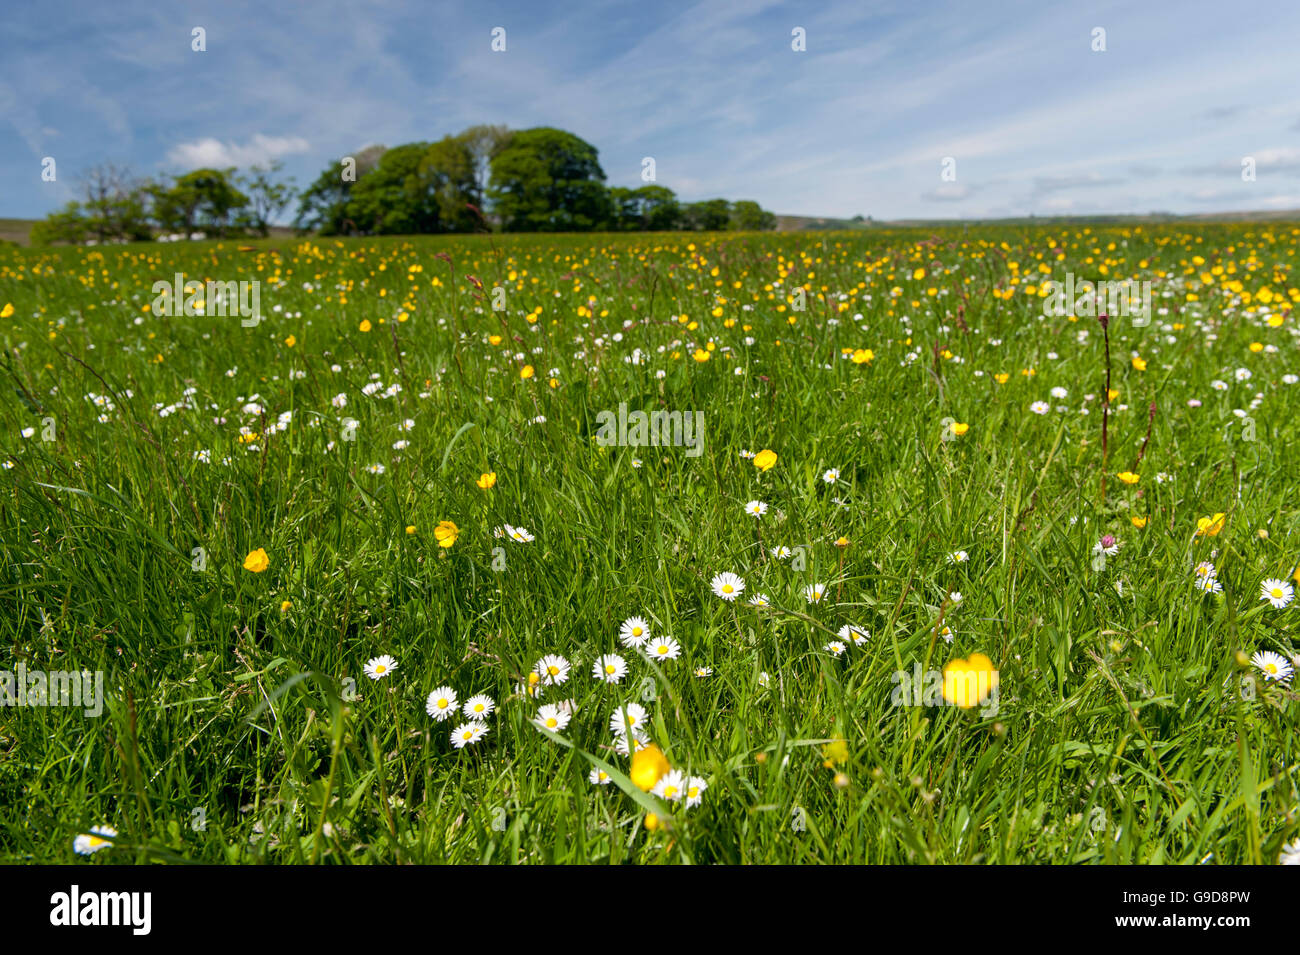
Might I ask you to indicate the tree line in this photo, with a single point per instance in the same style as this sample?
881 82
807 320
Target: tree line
485 178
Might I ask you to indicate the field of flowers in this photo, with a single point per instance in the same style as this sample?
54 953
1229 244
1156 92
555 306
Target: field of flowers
908 567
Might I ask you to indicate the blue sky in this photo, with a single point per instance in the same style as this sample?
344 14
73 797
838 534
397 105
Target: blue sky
858 124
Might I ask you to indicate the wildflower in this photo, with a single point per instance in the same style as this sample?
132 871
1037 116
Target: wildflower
959 428
648 765
478 707
467 734
958 557
598 777
610 668
526 372
765 459
835 648
968 682
1209 526
487 479
1128 477
441 704
814 593
831 475
634 632
519 535
100 837
727 585
552 716
1274 666
257 561
756 508
1108 545
554 669
629 717
759 600
853 633
446 533
665 648
671 785
1276 592
695 787
380 667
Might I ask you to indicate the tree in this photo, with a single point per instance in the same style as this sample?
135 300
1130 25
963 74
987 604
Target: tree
416 188
323 206
64 225
711 215
547 180
266 199
446 174
484 143
649 208
749 216
203 199
660 210
114 203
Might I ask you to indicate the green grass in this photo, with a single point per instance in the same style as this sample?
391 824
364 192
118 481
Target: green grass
231 729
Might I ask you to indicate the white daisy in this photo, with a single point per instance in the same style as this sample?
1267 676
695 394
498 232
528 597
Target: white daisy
958 557
671 786
756 508
1290 854
441 704
835 647
1274 666
629 716
759 600
831 475
695 787
610 668
467 734
598 777
857 635
664 648
634 632
552 716
380 667
100 837
519 534
1040 407
780 553
478 708
727 585
814 593
1276 592
553 669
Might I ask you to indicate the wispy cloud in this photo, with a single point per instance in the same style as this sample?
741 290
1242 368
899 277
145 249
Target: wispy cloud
258 151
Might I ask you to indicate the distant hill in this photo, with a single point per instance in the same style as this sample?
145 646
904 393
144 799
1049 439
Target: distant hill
818 223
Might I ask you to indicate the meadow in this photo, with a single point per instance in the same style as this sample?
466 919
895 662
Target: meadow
367 581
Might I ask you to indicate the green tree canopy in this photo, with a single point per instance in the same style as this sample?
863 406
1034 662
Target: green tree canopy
547 180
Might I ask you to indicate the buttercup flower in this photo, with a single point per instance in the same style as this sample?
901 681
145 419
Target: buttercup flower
257 561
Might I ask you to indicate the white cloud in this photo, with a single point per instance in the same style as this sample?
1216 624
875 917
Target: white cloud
257 151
